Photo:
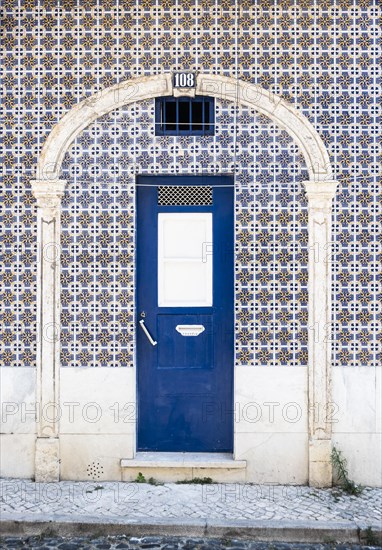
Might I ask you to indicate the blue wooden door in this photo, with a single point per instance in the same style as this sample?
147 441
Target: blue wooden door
185 317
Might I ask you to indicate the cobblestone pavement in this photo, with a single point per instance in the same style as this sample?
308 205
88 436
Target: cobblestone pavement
118 500
163 543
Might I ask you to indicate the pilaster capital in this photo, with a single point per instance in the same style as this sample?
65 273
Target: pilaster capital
320 193
48 192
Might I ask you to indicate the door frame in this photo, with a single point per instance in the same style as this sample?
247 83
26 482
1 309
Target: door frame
48 189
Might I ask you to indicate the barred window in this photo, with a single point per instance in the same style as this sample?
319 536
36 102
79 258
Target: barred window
184 116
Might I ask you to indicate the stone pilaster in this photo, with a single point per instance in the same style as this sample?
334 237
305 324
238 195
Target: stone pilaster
48 194
320 195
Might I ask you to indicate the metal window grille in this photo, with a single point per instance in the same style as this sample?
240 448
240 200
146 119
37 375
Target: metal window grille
184 195
184 116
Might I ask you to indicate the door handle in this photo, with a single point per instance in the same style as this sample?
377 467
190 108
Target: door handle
149 337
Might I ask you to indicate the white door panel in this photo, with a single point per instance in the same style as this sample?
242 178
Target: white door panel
185 259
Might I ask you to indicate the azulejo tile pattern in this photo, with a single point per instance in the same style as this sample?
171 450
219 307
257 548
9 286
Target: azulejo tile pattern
98 231
324 57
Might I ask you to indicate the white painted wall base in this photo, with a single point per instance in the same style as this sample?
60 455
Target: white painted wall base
97 427
271 423
92 457
357 396
18 422
17 455
18 400
98 421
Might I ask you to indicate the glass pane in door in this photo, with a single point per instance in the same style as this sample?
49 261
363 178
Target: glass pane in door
184 259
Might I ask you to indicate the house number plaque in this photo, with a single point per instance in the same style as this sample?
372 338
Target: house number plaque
184 80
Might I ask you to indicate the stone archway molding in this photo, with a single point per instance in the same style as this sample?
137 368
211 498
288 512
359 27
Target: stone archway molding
280 111
48 190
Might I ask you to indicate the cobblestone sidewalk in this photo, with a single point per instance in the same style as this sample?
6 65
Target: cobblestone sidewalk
170 500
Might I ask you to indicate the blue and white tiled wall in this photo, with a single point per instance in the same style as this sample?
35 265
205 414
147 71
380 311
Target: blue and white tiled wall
98 231
324 57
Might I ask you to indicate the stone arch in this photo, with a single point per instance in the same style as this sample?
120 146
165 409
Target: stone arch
48 190
277 109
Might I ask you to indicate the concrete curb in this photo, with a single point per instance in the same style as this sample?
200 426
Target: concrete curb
277 531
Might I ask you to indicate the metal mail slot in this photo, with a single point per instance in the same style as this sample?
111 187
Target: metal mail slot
190 330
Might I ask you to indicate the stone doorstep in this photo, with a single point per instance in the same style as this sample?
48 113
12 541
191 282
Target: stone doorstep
172 467
183 460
